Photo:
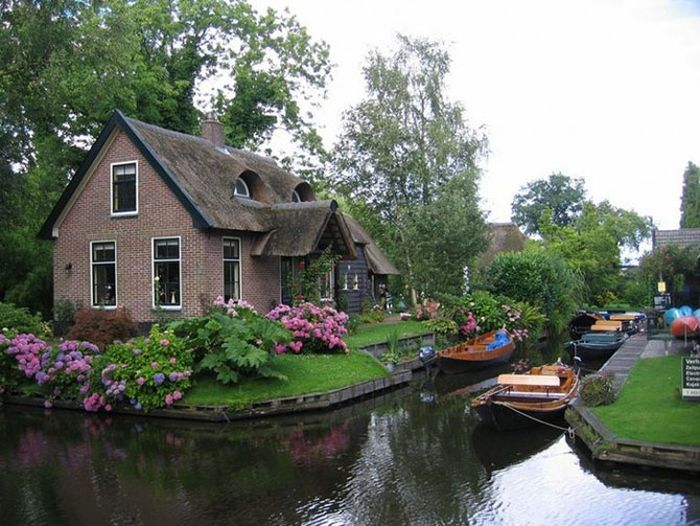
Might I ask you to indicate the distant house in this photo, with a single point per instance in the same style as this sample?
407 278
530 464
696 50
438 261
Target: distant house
157 219
682 238
505 237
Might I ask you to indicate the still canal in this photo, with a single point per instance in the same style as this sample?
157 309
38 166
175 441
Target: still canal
413 457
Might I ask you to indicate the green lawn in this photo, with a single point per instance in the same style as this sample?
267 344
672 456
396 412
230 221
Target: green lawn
380 332
306 373
650 408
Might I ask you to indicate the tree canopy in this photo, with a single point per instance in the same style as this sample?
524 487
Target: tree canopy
690 198
559 193
65 65
407 161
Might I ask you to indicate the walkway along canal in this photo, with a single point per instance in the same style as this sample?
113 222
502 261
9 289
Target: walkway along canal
413 456
604 444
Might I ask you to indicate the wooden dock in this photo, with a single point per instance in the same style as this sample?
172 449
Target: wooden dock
603 443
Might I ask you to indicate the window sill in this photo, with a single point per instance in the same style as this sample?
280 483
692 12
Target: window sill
117 215
103 307
167 307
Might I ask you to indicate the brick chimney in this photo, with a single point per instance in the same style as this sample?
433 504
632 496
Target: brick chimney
213 131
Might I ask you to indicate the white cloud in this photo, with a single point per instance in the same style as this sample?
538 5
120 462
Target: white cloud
605 91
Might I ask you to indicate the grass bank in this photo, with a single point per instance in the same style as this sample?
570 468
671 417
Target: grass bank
649 407
306 373
380 332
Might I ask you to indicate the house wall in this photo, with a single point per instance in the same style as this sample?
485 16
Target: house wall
160 214
355 297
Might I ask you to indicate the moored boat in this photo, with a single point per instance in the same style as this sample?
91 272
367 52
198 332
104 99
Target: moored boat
597 345
582 322
523 400
685 327
491 348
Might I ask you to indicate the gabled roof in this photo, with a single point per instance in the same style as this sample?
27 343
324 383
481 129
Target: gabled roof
376 259
200 174
304 228
505 237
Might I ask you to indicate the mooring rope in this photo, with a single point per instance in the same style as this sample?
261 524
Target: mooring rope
567 430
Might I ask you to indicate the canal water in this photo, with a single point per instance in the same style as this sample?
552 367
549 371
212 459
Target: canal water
416 456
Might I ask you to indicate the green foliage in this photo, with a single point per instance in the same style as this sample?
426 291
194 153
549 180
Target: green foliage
102 327
64 310
305 284
380 332
442 326
19 320
592 246
232 347
671 264
690 198
406 162
150 369
559 194
597 389
542 280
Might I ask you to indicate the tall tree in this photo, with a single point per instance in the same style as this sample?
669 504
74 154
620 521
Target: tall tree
560 194
65 65
690 199
407 156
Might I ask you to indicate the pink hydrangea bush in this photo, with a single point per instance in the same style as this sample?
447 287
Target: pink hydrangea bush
146 373
65 370
315 329
234 307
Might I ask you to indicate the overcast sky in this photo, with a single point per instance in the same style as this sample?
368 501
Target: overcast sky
607 91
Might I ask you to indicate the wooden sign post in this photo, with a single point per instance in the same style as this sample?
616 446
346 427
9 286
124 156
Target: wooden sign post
690 376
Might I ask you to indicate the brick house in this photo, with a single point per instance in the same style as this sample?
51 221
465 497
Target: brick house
156 219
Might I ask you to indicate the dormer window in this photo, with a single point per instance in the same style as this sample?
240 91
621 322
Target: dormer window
296 198
124 189
240 189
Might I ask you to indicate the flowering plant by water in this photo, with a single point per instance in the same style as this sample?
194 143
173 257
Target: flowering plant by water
146 372
65 370
233 341
314 328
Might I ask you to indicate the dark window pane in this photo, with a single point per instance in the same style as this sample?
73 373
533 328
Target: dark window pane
231 249
102 252
104 290
167 283
232 280
124 188
167 248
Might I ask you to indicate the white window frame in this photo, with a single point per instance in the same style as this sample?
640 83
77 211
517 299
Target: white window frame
111 190
331 284
92 276
247 188
153 272
240 264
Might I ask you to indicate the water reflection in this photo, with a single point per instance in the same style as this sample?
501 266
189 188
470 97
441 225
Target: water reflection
414 457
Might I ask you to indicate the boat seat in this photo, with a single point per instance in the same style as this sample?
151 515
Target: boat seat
539 380
530 394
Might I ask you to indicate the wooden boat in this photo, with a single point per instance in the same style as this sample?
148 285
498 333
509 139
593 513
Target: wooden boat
523 400
597 345
491 348
685 327
581 323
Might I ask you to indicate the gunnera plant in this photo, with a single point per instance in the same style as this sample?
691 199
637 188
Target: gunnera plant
597 389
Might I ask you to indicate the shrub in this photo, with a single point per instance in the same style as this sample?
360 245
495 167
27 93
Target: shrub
314 329
19 320
147 373
233 341
443 326
428 309
102 327
597 389
24 352
65 370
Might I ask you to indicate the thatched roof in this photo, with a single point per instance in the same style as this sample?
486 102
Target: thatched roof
505 237
305 228
376 259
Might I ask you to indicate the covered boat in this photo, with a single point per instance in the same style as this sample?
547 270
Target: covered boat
685 327
597 345
491 348
582 322
523 400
